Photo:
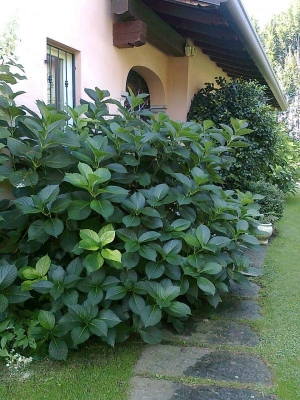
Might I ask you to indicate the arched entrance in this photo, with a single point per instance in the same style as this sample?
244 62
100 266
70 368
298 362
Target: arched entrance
138 85
143 80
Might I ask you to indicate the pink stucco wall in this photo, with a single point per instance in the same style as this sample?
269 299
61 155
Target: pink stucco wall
85 26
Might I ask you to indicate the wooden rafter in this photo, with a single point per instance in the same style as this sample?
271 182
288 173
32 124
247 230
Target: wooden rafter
181 11
196 27
159 32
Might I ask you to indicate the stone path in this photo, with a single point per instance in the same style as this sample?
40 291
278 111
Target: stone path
213 359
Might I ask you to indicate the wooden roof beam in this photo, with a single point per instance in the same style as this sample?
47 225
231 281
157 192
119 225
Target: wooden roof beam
196 27
159 33
234 61
238 56
188 13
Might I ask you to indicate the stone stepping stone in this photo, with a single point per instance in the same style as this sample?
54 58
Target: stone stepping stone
216 393
251 291
154 389
234 308
257 257
209 332
203 363
168 360
229 366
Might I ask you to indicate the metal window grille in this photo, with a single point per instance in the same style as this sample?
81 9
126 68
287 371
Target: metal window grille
60 77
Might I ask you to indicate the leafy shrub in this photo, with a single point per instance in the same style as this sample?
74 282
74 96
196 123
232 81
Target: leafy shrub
116 225
273 202
244 100
285 172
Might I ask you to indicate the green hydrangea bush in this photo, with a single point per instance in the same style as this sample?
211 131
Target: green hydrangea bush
114 224
245 100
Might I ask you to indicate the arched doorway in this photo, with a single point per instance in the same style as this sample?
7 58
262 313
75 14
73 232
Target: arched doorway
143 80
138 85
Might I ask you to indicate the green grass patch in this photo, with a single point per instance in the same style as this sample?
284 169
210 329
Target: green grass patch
280 300
95 372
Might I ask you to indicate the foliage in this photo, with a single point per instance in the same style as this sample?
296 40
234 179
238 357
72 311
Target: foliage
284 173
272 202
281 42
244 100
117 223
8 39
281 304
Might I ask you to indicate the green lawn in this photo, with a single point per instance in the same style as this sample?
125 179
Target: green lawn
96 372
280 327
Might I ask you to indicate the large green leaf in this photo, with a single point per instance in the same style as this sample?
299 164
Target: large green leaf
110 318
154 270
116 293
58 349
178 309
113 255
152 222
16 295
130 260
60 205
46 319
26 205
106 235
180 225
8 274
43 287
58 159
203 234
136 304
212 268
80 334
54 227
220 241
76 180
148 236
90 240
171 293
249 239
98 327
23 178
131 220
172 246
206 286
191 240
49 193
93 262
79 210
36 230
43 265
160 191
19 148
102 207
147 252
151 315
151 335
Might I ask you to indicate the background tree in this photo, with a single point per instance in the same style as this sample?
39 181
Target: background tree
281 40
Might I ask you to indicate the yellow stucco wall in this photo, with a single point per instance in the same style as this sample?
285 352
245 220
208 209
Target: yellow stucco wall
86 28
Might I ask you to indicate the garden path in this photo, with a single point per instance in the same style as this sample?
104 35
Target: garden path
215 358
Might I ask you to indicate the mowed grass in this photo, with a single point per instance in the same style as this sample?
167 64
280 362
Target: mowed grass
95 372
280 326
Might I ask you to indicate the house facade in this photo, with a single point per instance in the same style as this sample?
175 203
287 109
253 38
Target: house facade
170 47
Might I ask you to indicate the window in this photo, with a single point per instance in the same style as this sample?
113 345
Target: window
60 77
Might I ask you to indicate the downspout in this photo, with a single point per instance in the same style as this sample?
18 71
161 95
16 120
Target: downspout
254 47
